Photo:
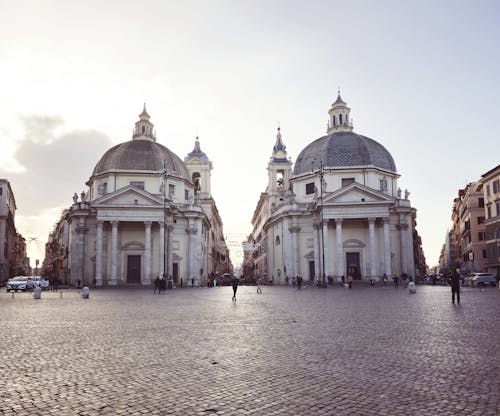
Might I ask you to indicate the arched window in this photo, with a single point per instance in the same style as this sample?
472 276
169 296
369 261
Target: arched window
196 181
340 119
334 121
143 129
278 240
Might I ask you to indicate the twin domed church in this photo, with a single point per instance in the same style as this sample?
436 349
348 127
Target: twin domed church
337 211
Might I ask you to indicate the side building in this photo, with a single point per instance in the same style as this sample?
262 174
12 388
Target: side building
337 211
146 213
13 258
491 190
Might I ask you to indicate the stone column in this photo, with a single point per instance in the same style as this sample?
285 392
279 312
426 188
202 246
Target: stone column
317 264
402 240
170 251
294 230
371 238
147 254
340 248
325 250
114 253
387 249
410 258
98 254
161 264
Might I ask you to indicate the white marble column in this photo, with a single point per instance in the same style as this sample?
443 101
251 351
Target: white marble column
294 230
340 248
404 254
371 239
410 258
317 265
190 273
325 250
387 249
114 253
161 254
147 254
170 251
98 254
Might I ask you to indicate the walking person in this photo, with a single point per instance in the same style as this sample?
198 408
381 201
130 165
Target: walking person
235 282
349 281
156 285
455 287
259 286
396 281
299 282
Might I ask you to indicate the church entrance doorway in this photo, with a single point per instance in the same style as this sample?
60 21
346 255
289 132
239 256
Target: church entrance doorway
133 269
311 271
175 272
353 265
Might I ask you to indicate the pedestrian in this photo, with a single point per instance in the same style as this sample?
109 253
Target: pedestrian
94 282
404 276
395 278
181 282
56 284
299 282
455 287
235 286
78 282
372 282
192 282
349 281
163 285
293 282
215 282
287 280
259 286
156 284
384 279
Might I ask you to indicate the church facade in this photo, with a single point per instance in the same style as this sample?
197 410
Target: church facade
146 214
337 211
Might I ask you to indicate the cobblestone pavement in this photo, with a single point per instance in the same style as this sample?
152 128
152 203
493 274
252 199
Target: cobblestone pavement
365 351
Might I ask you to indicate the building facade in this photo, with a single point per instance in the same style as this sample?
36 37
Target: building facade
13 258
146 213
491 193
337 211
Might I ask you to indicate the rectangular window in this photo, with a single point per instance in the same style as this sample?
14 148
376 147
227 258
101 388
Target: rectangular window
480 220
1 190
489 212
485 254
171 190
310 188
347 181
498 208
186 194
139 185
481 202
480 236
487 190
496 186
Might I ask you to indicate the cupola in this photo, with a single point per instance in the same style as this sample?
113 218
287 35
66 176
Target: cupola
339 117
144 128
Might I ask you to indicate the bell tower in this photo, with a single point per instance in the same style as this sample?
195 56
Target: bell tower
339 117
279 168
199 167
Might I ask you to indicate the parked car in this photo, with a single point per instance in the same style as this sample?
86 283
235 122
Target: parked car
40 282
482 279
23 283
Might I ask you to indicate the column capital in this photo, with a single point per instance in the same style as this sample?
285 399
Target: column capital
294 229
148 223
114 223
100 222
371 220
386 220
339 220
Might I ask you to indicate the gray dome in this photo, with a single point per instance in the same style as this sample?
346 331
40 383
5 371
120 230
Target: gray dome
343 149
141 155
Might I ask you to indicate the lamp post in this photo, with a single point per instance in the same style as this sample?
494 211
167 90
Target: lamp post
323 283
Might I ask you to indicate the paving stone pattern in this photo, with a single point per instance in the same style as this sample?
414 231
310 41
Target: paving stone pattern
365 351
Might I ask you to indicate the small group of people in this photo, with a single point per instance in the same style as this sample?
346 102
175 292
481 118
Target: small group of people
160 285
347 283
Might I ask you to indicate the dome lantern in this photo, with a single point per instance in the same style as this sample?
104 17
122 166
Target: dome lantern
144 128
339 116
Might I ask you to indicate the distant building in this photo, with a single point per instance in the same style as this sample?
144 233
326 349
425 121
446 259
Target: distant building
13 259
448 258
491 193
469 229
146 214
337 211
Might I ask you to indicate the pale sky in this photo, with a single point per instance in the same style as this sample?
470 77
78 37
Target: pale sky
421 78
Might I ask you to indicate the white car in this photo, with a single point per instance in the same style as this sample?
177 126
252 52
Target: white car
39 281
23 283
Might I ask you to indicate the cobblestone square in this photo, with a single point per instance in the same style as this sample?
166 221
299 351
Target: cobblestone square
365 351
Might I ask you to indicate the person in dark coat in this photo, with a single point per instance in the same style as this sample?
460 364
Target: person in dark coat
235 283
157 284
455 287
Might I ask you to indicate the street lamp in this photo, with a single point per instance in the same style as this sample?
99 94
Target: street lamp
323 283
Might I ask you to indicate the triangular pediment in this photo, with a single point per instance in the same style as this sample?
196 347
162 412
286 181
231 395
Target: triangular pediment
128 196
356 193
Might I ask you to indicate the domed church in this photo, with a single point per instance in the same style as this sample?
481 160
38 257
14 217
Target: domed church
146 213
337 211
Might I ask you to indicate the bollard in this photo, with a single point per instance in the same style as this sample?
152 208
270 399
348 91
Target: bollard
411 288
85 292
37 292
